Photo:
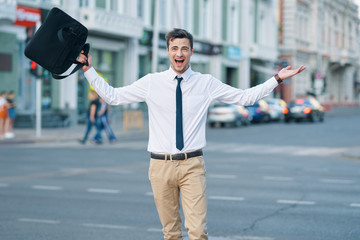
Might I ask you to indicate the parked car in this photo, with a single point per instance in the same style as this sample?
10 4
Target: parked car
304 109
259 111
223 114
276 108
244 114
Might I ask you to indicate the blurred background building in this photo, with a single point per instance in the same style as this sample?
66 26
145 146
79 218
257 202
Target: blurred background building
241 42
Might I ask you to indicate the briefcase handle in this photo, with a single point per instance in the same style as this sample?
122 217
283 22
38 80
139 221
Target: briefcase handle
74 67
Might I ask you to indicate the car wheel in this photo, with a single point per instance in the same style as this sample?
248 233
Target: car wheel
312 117
237 123
267 118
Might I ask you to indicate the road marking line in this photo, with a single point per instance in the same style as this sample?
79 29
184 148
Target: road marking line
309 151
340 181
43 187
274 178
222 176
47 221
252 238
106 226
330 151
296 202
4 185
98 190
154 230
227 198
119 171
355 205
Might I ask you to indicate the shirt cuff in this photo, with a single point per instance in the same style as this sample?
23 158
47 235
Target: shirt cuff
91 75
273 82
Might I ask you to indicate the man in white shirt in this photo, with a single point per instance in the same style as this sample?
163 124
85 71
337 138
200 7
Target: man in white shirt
178 100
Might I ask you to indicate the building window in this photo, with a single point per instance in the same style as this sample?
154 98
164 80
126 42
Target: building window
109 5
163 14
140 9
101 4
84 3
186 15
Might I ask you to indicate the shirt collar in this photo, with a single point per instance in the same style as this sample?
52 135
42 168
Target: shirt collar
186 75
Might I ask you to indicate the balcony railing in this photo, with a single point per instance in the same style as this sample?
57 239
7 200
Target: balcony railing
111 23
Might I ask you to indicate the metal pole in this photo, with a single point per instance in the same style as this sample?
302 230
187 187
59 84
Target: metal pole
155 45
38 107
38 98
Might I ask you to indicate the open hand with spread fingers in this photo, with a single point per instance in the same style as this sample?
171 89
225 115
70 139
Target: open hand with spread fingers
288 72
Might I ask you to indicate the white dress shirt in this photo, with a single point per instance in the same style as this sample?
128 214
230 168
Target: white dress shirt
158 90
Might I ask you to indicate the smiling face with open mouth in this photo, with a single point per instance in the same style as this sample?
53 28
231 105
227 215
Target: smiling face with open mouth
179 52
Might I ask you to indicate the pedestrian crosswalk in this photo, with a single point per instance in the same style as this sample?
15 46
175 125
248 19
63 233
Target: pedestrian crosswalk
212 146
262 149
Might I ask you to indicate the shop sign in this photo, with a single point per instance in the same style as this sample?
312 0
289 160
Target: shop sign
27 17
206 48
233 53
199 47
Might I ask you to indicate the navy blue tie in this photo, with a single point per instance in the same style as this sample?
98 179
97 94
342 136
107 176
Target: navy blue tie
179 117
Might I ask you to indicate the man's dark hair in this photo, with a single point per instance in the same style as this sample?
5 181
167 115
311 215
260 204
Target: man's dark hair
178 33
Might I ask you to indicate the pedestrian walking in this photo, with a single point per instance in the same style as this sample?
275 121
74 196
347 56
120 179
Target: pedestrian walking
103 118
91 118
9 121
3 113
178 101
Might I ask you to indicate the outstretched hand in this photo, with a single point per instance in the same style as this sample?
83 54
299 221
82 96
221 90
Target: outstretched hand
287 72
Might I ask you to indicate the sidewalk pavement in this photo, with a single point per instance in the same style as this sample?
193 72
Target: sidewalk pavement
72 133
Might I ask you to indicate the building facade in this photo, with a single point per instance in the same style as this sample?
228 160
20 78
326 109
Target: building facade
324 36
240 42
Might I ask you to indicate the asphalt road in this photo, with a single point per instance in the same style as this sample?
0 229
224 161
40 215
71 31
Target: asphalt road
265 182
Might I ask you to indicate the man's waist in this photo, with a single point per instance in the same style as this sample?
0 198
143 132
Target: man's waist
177 156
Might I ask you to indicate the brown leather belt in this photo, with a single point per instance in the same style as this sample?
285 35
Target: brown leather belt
177 156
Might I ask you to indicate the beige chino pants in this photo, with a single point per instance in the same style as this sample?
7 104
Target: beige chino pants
169 179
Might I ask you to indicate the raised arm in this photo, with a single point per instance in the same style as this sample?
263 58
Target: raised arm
135 92
222 92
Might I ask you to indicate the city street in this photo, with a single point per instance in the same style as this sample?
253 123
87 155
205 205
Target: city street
272 181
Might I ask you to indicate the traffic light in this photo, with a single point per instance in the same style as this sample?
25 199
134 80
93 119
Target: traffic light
34 69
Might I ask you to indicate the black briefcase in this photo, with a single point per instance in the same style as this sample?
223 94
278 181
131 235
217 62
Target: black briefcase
58 43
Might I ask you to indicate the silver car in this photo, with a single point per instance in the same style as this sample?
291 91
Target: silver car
223 114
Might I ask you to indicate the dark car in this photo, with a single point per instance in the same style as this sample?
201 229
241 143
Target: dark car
304 109
259 112
244 114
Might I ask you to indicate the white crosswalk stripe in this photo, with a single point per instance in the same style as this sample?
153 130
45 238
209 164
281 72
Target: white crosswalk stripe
271 149
212 146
